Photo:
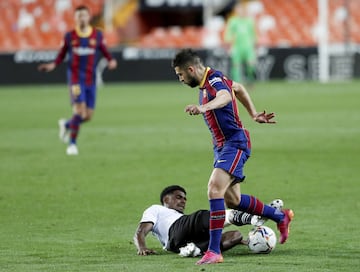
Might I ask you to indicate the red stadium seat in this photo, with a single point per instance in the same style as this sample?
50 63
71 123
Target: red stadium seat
293 23
46 23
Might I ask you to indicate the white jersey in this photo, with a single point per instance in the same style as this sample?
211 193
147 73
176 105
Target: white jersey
162 218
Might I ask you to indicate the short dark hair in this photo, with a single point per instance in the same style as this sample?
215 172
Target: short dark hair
186 57
169 190
82 7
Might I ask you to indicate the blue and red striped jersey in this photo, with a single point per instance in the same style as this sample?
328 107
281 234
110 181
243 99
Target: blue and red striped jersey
84 52
224 123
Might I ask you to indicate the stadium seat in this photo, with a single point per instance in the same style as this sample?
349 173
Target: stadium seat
173 37
287 23
278 22
45 18
301 18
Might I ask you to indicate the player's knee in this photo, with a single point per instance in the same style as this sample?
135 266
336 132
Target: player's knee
87 118
214 190
88 114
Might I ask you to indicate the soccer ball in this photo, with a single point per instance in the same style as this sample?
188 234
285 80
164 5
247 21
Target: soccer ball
277 204
262 239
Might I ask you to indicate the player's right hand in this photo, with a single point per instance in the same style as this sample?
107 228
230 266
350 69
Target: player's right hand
146 251
47 67
194 109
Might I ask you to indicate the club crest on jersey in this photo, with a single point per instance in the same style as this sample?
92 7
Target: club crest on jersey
92 42
204 93
214 80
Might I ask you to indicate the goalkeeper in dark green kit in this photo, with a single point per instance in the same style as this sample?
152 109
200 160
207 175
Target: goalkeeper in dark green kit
241 35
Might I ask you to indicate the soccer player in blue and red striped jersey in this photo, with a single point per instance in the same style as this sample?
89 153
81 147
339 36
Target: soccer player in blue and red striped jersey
83 45
218 105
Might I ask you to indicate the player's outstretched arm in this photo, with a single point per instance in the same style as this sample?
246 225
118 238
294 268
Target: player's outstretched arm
112 63
48 67
243 96
139 239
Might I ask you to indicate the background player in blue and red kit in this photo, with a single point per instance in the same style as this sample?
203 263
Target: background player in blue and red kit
217 103
84 45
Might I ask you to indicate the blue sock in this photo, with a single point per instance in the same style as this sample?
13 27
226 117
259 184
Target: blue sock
74 125
252 205
217 219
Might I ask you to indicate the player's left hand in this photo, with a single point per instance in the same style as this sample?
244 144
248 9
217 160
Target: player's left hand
194 109
146 251
263 117
112 64
47 67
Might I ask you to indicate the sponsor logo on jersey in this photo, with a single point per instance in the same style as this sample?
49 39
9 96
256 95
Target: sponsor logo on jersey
84 51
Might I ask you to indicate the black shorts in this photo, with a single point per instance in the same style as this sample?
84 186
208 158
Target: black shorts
190 228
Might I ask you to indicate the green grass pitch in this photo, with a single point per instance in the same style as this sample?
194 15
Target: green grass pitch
60 213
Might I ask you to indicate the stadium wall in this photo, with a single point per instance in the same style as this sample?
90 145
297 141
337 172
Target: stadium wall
155 65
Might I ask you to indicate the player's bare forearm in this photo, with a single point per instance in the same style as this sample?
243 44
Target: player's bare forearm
222 98
139 239
243 96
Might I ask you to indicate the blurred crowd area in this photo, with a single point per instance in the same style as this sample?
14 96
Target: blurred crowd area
41 24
